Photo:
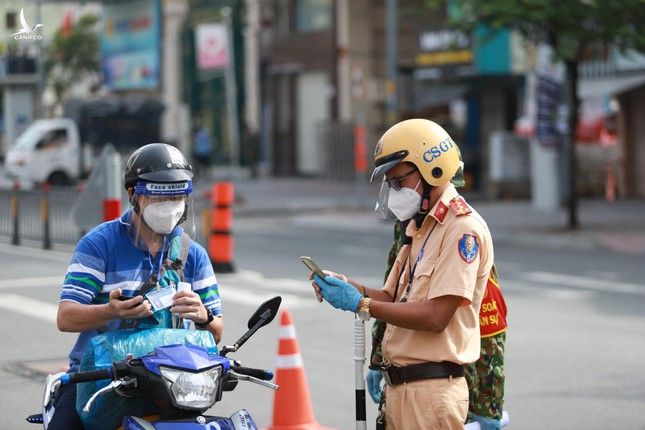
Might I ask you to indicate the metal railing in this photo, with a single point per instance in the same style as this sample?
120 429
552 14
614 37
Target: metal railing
38 215
45 215
337 159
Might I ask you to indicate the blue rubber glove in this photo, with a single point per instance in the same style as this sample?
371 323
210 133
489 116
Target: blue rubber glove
487 423
373 379
340 294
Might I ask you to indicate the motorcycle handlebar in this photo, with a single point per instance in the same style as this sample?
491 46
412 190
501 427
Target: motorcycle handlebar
262 374
89 376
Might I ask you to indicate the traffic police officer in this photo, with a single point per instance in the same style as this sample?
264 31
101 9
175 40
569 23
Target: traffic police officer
432 296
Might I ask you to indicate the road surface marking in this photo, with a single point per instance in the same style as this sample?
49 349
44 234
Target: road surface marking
573 295
582 282
245 297
43 281
28 306
362 250
31 252
255 279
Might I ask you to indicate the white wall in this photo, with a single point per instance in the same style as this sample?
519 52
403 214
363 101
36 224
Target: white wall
312 96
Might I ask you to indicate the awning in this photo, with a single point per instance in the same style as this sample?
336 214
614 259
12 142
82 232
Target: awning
608 86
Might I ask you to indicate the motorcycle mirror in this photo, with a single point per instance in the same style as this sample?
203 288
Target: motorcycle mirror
262 316
265 313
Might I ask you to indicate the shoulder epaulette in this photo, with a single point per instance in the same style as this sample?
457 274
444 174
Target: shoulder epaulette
459 206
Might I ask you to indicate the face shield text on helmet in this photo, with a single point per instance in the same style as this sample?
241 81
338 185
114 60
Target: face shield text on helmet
420 142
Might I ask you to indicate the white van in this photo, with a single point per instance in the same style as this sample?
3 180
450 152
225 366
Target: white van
49 150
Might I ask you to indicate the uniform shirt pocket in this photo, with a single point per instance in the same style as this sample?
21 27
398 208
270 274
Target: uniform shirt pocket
422 279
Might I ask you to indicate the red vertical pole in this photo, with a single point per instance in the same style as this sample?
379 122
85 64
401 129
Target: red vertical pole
360 150
112 198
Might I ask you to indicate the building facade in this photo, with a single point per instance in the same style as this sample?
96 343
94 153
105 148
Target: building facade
323 72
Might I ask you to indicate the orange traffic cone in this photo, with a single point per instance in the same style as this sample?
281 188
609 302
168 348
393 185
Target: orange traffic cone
291 405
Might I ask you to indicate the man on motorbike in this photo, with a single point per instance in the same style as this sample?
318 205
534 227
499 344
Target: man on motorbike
144 250
433 294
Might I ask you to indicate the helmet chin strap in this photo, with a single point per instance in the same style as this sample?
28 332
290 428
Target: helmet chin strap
425 205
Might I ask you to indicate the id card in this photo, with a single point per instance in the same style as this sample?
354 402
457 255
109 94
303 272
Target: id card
184 286
161 299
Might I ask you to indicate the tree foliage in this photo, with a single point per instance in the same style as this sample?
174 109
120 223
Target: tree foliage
573 28
576 30
72 55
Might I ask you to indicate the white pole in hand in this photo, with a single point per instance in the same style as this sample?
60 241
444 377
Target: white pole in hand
359 363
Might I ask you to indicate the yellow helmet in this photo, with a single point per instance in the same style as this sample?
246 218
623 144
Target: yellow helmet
423 143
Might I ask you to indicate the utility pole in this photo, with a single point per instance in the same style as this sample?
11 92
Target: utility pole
174 118
252 65
392 59
343 90
40 65
231 93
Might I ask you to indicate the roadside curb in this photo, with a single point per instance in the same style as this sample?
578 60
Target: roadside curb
543 237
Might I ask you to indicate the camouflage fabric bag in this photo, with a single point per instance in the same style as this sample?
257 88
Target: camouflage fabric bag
486 376
485 379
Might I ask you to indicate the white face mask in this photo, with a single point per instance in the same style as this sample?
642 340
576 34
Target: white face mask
404 203
162 217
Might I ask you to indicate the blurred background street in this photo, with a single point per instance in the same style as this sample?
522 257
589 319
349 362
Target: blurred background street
286 100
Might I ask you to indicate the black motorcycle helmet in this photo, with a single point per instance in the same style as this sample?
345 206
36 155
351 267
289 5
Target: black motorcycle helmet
157 162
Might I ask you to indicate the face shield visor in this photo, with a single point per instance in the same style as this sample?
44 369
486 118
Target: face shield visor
164 205
382 167
381 208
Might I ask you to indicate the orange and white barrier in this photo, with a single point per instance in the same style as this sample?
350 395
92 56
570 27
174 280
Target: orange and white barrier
291 405
112 197
220 239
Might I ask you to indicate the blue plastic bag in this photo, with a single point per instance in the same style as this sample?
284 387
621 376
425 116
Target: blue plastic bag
107 411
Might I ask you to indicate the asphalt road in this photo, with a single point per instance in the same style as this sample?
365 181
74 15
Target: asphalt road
574 353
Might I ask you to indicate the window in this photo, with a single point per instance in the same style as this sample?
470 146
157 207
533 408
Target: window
53 139
314 15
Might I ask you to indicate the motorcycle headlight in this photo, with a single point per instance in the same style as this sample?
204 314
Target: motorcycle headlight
192 390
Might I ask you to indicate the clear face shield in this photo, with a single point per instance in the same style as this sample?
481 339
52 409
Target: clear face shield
381 207
161 208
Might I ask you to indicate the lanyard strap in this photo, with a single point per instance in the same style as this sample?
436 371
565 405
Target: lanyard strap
413 269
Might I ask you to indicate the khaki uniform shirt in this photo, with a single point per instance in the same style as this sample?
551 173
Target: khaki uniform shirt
455 260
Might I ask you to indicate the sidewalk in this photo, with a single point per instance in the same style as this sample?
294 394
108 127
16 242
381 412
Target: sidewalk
618 226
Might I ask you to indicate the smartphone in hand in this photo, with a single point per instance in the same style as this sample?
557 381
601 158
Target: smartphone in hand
312 266
126 298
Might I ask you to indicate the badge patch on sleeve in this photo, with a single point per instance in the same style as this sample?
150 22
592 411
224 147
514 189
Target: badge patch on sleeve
468 248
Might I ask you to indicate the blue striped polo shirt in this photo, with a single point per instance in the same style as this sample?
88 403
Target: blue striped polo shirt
108 258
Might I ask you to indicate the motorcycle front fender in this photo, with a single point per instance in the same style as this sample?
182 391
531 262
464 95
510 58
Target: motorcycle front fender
240 420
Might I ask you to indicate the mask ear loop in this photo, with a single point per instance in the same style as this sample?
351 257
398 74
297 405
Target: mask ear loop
185 214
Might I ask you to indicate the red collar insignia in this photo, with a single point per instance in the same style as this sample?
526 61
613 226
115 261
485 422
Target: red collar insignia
459 206
440 212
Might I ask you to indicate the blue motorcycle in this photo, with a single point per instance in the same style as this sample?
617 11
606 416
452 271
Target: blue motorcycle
182 380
